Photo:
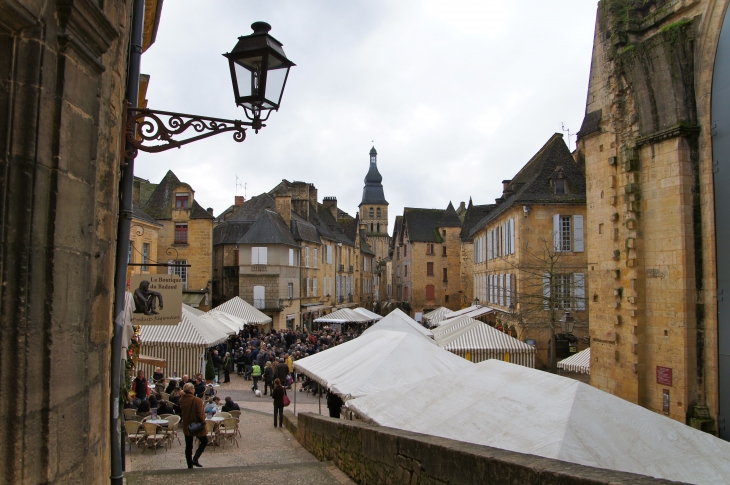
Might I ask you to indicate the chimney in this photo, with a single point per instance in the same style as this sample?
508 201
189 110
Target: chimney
283 207
210 210
331 204
312 195
505 183
239 200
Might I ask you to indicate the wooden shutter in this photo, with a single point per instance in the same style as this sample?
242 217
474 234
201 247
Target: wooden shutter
291 257
579 291
512 236
429 292
508 290
556 233
578 234
546 291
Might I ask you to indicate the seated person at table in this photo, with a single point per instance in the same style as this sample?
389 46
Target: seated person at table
153 402
144 409
157 374
199 387
230 405
165 408
212 407
171 386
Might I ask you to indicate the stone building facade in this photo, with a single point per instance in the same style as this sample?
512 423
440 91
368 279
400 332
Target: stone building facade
650 142
63 75
185 236
529 251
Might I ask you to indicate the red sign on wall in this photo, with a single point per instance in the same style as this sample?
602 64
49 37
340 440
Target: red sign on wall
664 375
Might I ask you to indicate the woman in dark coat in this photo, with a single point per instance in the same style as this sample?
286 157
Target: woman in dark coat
192 412
268 378
278 394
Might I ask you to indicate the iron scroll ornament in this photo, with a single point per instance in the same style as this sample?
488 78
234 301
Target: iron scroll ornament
145 125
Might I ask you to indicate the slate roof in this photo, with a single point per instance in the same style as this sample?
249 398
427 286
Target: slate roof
349 227
304 231
230 232
252 208
269 228
532 184
372 193
422 224
450 218
474 214
591 123
138 213
365 247
159 203
397 233
343 215
328 224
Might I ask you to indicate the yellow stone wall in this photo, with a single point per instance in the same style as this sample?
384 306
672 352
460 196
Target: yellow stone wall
143 232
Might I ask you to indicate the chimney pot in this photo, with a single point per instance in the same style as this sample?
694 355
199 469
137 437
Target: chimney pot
239 200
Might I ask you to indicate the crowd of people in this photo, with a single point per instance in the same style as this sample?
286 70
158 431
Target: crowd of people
255 356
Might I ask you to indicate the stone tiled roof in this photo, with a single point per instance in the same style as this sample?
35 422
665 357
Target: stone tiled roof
365 247
159 203
474 214
252 208
230 232
450 218
591 123
422 224
138 213
397 233
304 231
349 227
532 184
332 227
269 228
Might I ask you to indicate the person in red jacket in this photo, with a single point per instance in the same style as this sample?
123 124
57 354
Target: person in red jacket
193 412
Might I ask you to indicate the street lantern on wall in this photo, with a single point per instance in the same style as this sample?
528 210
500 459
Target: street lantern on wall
567 323
259 70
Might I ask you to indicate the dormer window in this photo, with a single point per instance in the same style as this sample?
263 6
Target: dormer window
560 188
182 200
372 212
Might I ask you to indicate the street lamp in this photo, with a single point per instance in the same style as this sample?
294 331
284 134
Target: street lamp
476 302
567 323
259 70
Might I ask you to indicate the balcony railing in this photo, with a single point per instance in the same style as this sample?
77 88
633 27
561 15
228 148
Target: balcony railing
262 304
341 268
349 269
340 299
258 268
349 297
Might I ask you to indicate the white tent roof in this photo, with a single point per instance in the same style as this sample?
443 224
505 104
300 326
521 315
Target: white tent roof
377 361
224 322
484 342
191 331
243 310
344 315
447 326
473 313
580 362
398 321
437 315
529 411
368 313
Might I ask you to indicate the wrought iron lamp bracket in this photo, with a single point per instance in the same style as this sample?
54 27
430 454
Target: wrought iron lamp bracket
147 125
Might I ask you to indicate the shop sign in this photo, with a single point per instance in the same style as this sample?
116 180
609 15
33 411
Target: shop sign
157 299
664 375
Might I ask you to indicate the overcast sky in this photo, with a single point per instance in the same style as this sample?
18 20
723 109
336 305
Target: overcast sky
457 95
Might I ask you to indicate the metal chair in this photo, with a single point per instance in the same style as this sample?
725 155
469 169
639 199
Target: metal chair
171 431
212 432
235 414
154 435
135 433
129 413
221 414
227 430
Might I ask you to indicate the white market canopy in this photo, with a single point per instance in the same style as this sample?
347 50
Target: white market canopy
437 315
344 315
478 341
473 312
580 362
243 310
191 331
377 361
224 322
447 326
529 411
373 316
398 321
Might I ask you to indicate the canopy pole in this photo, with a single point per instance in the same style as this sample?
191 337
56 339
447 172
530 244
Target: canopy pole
319 397
295 394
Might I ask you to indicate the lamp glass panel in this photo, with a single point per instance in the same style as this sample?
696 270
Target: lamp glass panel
245 79
275 85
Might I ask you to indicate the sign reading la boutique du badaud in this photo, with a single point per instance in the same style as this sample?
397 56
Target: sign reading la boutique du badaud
157 299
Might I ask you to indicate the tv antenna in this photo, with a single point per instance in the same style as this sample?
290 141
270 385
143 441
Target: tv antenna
238 184
562 123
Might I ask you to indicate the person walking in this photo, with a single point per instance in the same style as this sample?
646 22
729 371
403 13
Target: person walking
278 394
282 370
227 367
268 377
256 375
334 404
192 412
140 387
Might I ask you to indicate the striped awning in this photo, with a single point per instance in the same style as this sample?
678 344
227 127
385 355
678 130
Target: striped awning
437 315
580 362
447 326
191 331
477 341
368 313
243 310
344 315
473 312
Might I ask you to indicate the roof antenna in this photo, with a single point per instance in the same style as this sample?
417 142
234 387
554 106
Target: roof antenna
562 123
238 184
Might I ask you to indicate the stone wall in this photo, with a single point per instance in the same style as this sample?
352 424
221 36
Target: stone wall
62 82
378 455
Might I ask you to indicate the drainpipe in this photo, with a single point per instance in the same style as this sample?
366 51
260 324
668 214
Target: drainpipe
126 184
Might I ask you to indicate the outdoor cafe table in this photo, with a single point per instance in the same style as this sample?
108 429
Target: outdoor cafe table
158 422
216 419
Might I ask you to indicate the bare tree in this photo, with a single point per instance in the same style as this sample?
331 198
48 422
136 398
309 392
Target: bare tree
549 283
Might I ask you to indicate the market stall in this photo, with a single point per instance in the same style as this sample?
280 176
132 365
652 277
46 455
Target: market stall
372 315
476 341
528 411
376 361
240 308
580 362
398 321
434 317
344 315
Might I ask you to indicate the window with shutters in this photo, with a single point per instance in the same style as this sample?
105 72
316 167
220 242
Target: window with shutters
306 286
443 250
446 275
178 268
329 254
429 269
405 271
259 256
291 257
306 257
182 200
315 257
429 248
430 292
314 287
290 290
181 233
259 297
145 256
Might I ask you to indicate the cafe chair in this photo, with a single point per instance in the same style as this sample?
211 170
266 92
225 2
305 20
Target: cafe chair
153 435
130 413
171 432
212 429
221 414
227 430
135 433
